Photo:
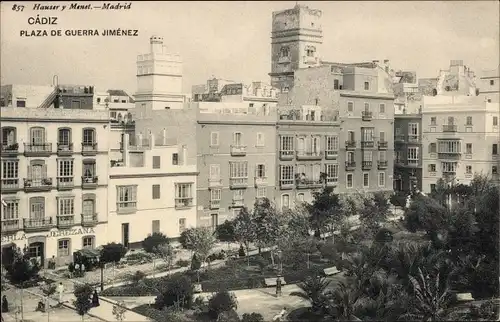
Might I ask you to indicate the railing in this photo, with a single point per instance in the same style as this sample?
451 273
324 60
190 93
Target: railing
64 148
399 138
331 181
309 155
41 149
238 202
284 60
89 182
11 225
367 165
412 163
287 154
260 181
367 144
350 144
308 183
9 149
350 165
238 150
65 221
286 183
65 183
214 204
183 203
10 184
38 184
382 164
413 138
382 145
213 182
89 220
238 182
89 148
38 224
331 154
366 115
449 128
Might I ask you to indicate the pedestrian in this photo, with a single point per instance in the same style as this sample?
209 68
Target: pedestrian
278 286
60 290
95 299
5 304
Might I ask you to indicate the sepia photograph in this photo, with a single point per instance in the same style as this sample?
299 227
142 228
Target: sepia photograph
250 161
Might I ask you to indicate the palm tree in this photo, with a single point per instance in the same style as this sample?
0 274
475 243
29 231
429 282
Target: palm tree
313 290
344 303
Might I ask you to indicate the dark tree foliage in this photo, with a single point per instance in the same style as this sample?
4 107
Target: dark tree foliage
82 302
325 206
112 253
22 269
151 242
425 214
222 301
178 291
225 232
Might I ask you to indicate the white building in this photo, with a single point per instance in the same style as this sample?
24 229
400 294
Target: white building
151 189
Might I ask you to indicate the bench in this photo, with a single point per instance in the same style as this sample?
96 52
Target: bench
331 271
272 281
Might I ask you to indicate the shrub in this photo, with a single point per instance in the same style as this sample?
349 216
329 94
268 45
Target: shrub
253 317
261 262
299 276
221 302
71 267
151 242
82 298
183 263
241 251
178 291
137 277
138 256
384 235
228 316
112 253
195 263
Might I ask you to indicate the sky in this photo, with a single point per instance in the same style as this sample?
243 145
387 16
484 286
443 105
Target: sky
231 40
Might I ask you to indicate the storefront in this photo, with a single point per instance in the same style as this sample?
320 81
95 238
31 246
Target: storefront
58 245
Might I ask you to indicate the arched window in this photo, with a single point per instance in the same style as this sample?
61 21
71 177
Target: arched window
88 207
432 148
37 136
89 137
64 137
129 116
8 136
285 201
310 51
120 117
284 51
88 242
37 173
451 120
37 210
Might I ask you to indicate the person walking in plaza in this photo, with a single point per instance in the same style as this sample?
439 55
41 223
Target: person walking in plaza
60 291
5 304
95 299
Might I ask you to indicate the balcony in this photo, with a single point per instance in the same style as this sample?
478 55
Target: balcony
238 183
65 183
308 155
366 115
214 204
238 202
10 150
412 163
449 172
36 225
415 139
309 59
89 149
64 149
10 226
238 150
367 165
399 138
331 181
450 128
38 185
399 163
89 182
214 183
286 184
308 184
65 221
382 165
287 155
367 144
382 145
331 155
37 150
89 220
350 166
454 156
350 145
183 203
260 181
284 60
10 185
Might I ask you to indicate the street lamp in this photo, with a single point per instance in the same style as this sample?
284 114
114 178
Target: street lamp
101 266
280 271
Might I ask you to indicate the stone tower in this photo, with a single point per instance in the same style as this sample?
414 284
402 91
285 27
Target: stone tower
296 41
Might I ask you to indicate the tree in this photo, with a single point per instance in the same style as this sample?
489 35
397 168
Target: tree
23 269
245 229
440 192
252 317
186 237
324 211
425 214
222 301
137 277
178 292
202 241
151 242
374 212
267 223
225 232
112 253
165 252
82 302
119 311
313 290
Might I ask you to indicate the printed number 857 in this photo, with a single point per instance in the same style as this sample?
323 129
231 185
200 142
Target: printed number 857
17 8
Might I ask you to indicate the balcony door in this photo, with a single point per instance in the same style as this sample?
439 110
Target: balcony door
301 145
315 145
37 210
237 139
88 209
37 136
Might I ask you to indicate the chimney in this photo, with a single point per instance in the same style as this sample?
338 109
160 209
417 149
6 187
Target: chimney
125 154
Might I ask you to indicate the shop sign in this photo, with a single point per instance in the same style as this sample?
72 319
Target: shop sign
56 233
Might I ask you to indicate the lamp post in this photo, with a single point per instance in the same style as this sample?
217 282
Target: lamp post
101 266
280 271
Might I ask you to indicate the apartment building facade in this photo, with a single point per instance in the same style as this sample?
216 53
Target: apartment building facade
54 180
460 138
151 189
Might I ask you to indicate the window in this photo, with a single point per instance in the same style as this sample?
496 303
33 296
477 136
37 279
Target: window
89 137
381 179
350 136
63 247
432 168
156 191
20 103
66 206
494 170
350 107
350 156
367 86
492 82
432 148
37 208
156 162
65 171
367 134
260 139
413 156
127 198
182 224
382 136
37 136
495 120
287 174
468 148
215 194
349 182
367 107
332 172
88 206
433 121
183 193
494 149
215 171
175 159
335 83
89 170
10 210
332 143
381 108
451 120
238 169
10 173
238 195
285 201
155 226
215 220
382 156
64 138
468 169
76 105
286 143
413 130
300 197
88 242
8 136
433 186
237 139
260 171
366 180
449 166
367 156
98 100
449 146
261 192
469 120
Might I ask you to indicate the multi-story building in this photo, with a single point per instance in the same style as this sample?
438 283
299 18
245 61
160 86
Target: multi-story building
54 180
151 189
460 138
489 84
